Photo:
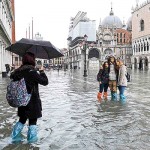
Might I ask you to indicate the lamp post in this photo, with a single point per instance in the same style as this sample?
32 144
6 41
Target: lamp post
85 46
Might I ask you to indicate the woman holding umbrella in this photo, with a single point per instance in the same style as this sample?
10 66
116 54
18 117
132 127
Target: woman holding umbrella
33 110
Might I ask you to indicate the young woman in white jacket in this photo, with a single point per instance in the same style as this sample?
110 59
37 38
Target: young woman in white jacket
122 81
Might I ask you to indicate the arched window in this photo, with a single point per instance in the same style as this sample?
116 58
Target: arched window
142 25
121 35
144 47
147 46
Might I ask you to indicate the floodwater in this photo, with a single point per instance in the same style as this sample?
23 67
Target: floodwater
74 120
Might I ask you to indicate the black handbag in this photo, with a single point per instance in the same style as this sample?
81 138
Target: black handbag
128 76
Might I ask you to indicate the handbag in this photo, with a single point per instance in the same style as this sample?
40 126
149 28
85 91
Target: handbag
128 76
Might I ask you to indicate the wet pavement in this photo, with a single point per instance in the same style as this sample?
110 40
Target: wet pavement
74 120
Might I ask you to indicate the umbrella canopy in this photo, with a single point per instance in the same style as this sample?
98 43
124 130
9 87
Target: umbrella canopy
41 49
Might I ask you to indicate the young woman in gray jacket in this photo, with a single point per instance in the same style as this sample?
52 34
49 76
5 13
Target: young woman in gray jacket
122 80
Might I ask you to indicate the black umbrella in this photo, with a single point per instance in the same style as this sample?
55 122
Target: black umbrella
41 49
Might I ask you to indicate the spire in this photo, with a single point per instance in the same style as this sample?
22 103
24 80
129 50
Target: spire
111 12
124 25
100 23
137 1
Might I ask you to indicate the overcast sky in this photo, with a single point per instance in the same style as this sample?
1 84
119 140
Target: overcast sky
52 17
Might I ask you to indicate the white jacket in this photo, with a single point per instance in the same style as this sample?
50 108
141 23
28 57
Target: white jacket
122 79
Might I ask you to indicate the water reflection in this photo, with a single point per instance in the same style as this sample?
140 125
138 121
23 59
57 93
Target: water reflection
73 119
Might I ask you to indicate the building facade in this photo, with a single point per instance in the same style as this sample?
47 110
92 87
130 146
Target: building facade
80 25
141 36
111 38
7 32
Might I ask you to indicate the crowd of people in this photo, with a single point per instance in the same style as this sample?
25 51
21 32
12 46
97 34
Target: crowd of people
112 74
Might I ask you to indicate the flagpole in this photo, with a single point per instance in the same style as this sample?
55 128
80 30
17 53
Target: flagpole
26 33
32 28
29 31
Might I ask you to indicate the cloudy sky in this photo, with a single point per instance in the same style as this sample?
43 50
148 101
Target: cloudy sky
52 17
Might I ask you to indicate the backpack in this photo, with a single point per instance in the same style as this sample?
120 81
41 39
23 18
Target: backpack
17 94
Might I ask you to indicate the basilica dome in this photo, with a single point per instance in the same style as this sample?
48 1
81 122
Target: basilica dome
112 21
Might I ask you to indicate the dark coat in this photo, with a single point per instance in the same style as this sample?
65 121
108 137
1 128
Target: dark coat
103 76
32 78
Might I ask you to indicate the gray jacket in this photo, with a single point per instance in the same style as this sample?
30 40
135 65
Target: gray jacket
122 79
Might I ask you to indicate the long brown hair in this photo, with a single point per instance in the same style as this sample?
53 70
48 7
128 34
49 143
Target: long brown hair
104 67
114 63
28 59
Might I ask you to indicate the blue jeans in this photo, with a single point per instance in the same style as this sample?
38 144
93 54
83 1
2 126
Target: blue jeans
103 86
121 89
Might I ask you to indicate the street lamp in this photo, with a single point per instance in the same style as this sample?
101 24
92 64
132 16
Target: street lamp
85 46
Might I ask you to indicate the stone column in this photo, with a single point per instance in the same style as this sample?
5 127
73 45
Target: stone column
0 56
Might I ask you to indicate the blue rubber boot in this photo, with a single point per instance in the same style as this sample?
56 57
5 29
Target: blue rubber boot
122 98
32 134
114 96
16 133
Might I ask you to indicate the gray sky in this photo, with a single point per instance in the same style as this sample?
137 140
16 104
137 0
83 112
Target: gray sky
52 17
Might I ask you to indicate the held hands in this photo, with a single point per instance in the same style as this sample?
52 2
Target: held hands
42 68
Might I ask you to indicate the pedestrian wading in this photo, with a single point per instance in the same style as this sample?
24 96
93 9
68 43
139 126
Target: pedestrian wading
33 110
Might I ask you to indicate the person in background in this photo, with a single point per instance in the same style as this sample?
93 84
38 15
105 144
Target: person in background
33 110
103 78
122 81
113 77
7 66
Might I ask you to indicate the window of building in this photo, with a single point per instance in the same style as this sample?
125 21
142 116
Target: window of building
124 40
144 47
120 35
141 47
16 58
147 47
142 25
20 58
120 40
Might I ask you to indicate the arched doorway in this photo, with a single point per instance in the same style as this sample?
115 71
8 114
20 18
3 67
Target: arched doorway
135 63
146 63
93 59
141 64
94 52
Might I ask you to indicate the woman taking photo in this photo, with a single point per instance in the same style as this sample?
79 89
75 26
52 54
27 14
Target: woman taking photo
33 110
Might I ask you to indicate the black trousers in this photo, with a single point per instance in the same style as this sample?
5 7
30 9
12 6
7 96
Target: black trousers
31 121
103 87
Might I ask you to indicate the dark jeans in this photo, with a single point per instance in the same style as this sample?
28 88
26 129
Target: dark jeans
121 89
103 86
31 121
